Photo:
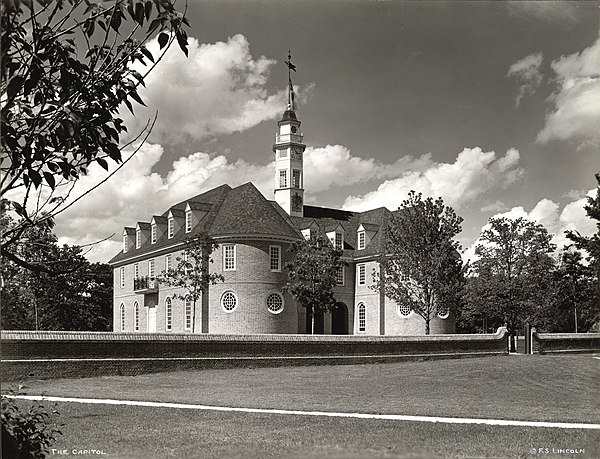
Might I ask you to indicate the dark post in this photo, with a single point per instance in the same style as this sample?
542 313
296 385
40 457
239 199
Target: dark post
528 343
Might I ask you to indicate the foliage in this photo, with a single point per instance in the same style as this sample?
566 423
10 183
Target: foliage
33 431
591 245
192 273
312 274
66 70
79 298
421 267
513 275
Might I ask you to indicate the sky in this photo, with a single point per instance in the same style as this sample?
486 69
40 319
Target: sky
494 106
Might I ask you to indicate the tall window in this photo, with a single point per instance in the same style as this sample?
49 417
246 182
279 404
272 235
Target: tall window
167 262
122 310
151 266
125 242
283 179
361 240
136 271
296 178
122 275
339 275
339 241
138 238
188 313
362 317
362 274
170 227
275 257
168 314
188 221
153 235
186 268
136 316
229 257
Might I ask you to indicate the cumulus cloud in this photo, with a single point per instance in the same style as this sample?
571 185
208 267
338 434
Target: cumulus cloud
472 174
557 220
218 89
496 206
576 102
135 193
527 73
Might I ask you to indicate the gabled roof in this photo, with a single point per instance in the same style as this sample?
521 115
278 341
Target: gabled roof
143 225
368 227
159 219
176 212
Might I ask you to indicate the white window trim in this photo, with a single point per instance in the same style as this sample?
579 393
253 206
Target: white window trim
283 175
188 221
361 244
122 276
153 233
278 269
122 314
170 227
136 317
335 237
152 268
138 238
225 246
167 262
237 301
359 268
343 276
444 316
136 271
125 242
282 302
185 315
358 314
168 309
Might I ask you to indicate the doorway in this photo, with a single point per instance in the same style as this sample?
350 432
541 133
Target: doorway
339 319
151 319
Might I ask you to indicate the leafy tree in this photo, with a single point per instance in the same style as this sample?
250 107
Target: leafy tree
591 245
79 298
66 69
512 277
312 275
421 267
192 273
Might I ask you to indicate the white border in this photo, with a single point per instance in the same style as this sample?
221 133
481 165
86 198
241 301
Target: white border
282 302
237 301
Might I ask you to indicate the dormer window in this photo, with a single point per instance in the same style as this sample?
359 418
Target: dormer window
188 220
125 242
339 241
138 238
153 232
306 233
361 240
170 226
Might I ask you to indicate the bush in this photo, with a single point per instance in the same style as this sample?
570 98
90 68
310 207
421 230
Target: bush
30 433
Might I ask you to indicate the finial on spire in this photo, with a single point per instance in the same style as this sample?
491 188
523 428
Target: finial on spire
290 66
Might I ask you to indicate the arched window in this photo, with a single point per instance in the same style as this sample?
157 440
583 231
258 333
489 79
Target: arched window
122 317
362 317
136 316
188 313
168 314
274 302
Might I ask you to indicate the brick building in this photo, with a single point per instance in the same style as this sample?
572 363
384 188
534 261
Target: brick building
254 235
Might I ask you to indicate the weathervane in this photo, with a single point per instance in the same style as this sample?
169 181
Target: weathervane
290 66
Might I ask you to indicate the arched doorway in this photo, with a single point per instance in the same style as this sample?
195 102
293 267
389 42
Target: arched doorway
339 319
319 322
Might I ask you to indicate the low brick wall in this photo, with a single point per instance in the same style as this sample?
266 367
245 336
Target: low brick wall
555 343
37 355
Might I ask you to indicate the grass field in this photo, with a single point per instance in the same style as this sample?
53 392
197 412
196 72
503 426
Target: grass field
531 388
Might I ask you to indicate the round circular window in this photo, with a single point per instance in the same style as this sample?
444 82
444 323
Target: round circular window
443 312
404 310
274 303
229 301
294 129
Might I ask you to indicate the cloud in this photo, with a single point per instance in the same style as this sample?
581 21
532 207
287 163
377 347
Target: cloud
527 73
557 220
472 174
135 193
576 102
218 89
552 12
496 206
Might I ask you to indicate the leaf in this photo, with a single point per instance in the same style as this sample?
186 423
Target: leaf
102 163
35 177
148 9
14 86
146 52
134 95
49 179
163 39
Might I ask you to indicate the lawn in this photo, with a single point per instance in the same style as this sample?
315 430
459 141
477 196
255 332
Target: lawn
534 388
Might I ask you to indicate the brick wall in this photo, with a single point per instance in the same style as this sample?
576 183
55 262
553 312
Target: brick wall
549 343
61 354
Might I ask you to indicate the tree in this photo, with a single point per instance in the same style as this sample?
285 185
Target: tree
192 273
512 277
312 275
79 298
66 70
421 267
591 245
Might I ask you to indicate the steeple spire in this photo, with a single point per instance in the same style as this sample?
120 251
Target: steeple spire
290 66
